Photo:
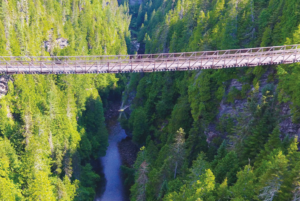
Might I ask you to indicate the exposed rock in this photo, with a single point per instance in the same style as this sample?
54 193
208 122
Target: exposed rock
128 152
4 85
135 45
232 108
112 111
59 42
9 114
210 136
287 127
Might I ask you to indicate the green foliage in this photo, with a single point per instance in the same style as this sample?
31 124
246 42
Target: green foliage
139 125
234 94
244 188
87 25
288 86
227 168
243 166
129 175
44 119
95 127
52 125
88 183
180 116
200 190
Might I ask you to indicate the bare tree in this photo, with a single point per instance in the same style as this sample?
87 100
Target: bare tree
270 191
142 181
178 151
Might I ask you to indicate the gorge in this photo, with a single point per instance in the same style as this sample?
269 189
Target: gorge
214 134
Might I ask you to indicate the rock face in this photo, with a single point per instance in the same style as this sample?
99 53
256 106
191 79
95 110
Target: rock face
128 151
135 45
232 108
4 85
287 127
59 42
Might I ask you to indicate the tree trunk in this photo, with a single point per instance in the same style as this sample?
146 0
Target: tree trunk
175 172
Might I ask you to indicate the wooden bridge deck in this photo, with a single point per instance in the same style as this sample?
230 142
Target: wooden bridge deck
151 62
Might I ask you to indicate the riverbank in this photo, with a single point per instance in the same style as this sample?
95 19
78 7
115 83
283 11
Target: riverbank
128 152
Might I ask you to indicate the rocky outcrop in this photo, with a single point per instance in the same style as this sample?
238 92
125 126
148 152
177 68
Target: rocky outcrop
232 108
135 45
59 42
128 151
287 127
4 85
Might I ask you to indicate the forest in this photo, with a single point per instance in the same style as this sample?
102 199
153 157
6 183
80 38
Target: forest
52 126
227 134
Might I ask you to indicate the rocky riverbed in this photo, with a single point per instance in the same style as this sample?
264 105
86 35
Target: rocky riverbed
128 151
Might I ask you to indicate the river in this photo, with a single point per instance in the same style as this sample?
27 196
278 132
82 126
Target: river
111 162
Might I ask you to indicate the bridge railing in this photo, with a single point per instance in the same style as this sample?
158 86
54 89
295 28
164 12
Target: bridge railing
145 62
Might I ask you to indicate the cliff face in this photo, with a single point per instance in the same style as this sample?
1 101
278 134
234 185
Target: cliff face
237 107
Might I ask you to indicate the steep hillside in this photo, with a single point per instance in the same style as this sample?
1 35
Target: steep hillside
51 126
229 134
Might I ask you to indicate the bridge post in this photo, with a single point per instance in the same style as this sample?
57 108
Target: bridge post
296 56
201 62
18 69
284 54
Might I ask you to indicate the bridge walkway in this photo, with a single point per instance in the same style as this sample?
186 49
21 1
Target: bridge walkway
151 62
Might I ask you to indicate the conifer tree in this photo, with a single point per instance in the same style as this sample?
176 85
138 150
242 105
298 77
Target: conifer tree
271 180
245 186
274 143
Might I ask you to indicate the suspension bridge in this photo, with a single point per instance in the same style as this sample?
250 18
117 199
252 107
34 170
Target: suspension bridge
183 61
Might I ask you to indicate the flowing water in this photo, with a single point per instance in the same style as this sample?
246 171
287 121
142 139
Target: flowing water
114 189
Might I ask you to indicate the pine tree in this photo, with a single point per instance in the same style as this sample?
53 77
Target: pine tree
227 168
273 143
271 180
245 186
40 187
